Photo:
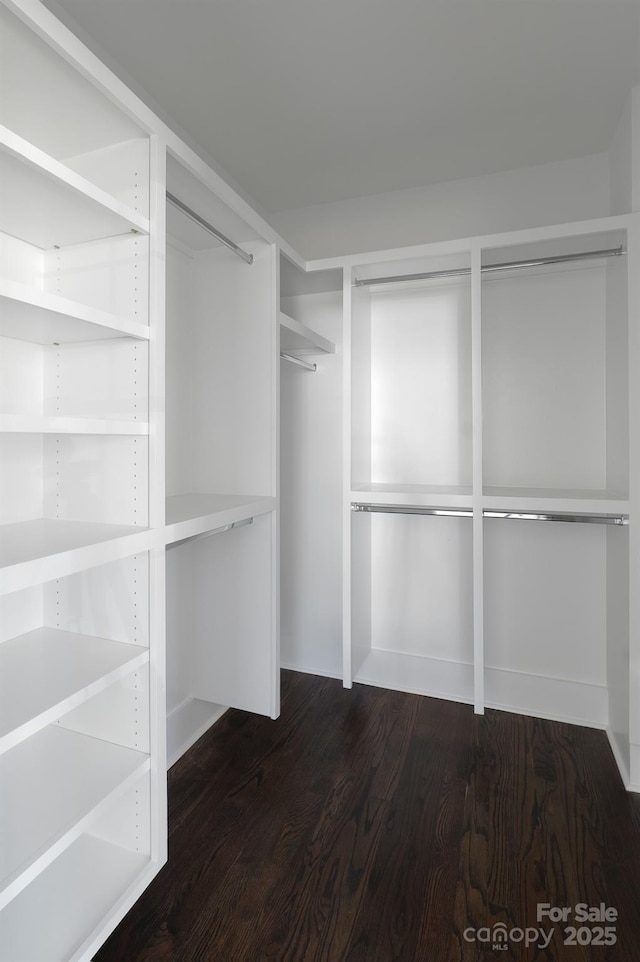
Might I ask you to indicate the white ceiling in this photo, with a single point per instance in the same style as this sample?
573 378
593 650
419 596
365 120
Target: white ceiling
309 101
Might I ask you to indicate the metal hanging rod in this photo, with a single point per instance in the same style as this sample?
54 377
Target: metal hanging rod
558 516
493 268
509 515
307 365
412 509
197 219
210 534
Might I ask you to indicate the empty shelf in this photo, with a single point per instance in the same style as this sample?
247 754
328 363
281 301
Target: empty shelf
426 495
63 207
43 424
61 893
554 499
192 514
32 552
53 785
42 318
48 672
297 339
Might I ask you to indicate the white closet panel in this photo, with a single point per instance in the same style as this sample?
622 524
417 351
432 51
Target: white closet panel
221 470
310 472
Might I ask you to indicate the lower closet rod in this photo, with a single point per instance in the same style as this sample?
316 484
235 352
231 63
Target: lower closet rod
505 515
558 516
209 534
412 509
307 365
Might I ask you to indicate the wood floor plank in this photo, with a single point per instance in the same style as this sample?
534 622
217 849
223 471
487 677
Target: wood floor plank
372 826
388 921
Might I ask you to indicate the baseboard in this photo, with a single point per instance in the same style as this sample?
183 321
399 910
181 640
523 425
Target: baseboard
557 699
417 675
634 768
621 762
186 723
306 670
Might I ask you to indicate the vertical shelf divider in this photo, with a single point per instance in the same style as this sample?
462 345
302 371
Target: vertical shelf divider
347 680
476 407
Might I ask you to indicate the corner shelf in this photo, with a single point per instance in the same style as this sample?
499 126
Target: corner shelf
48 672
188 515
64 208
299 340
28 314
60 781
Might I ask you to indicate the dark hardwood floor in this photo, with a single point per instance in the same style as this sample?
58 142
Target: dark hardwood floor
370 826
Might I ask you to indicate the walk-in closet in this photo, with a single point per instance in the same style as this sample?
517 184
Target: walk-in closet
415 468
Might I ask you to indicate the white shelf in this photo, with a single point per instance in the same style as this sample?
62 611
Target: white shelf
31 315
41 424
78 891
32 552
422 495
298 339
48 672
437 678
553 499
63 208
54 785
188 515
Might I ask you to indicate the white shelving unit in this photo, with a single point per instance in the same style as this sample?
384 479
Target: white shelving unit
555 407
82 807
221 409
411 603
477 404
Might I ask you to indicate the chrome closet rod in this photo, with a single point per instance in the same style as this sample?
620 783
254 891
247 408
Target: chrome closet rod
210 534
307 365
506 515
197 219
490 268
412 509
558 516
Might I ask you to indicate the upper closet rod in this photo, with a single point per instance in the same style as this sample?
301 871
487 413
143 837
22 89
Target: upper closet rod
209 228
489 268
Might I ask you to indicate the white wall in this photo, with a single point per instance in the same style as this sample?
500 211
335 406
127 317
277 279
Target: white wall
530 197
